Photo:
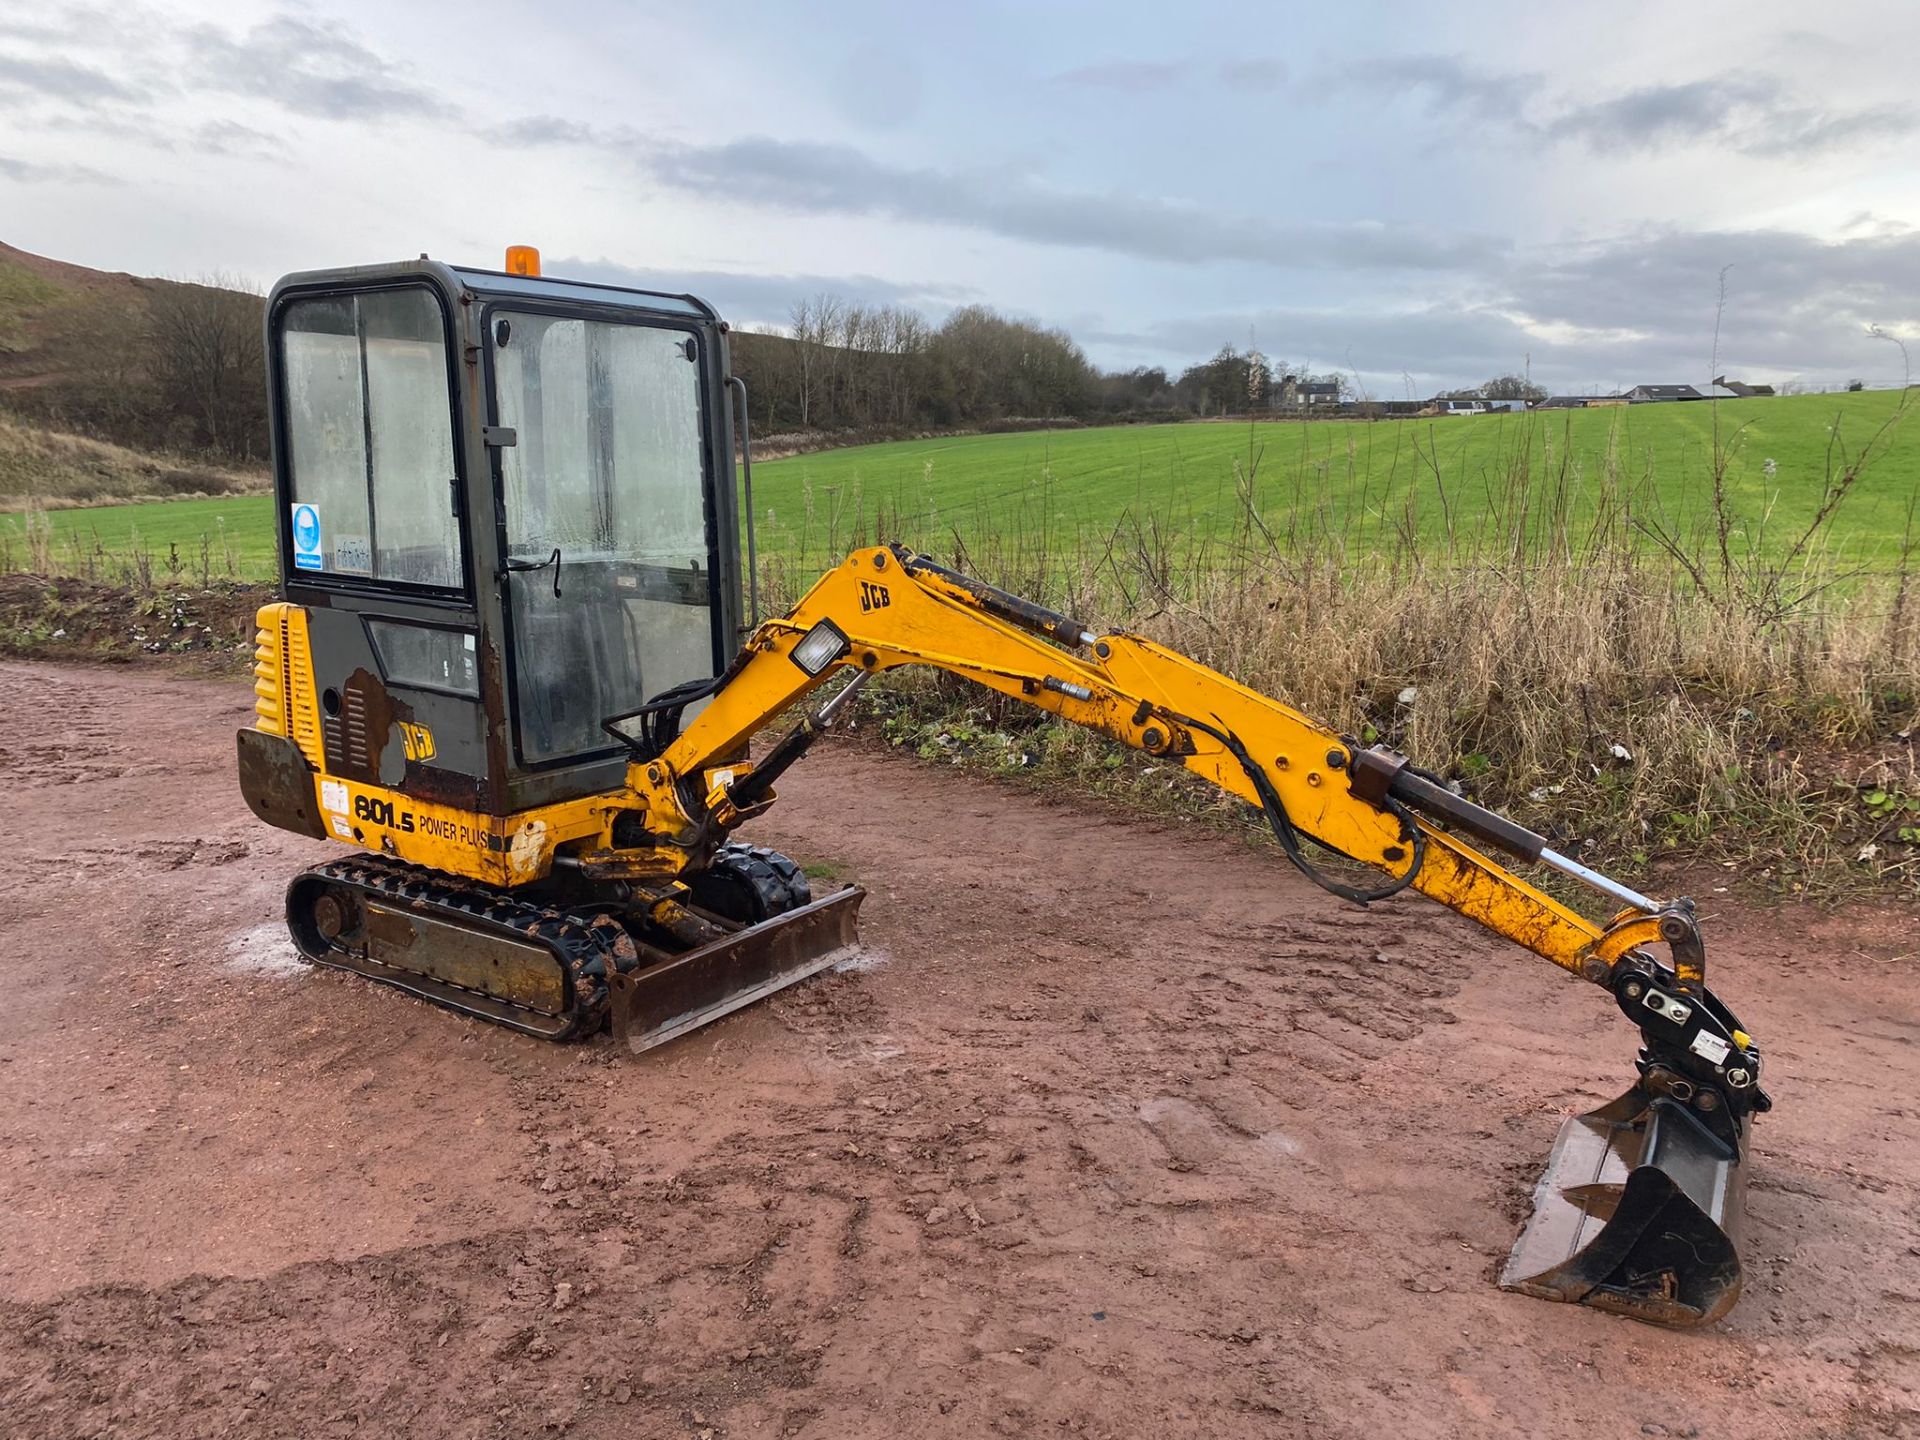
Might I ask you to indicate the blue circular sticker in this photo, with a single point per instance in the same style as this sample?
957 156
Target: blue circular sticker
306 527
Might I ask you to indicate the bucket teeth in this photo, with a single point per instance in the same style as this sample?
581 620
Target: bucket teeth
1635 1214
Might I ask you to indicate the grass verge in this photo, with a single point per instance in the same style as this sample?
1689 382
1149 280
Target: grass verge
1650 684
46 470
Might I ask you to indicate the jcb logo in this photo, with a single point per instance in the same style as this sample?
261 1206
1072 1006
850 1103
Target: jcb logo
417 739
874 597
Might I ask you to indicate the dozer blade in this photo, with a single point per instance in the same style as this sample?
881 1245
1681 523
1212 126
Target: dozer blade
1635 1214
666 1000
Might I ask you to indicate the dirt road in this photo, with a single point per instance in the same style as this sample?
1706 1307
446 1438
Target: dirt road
1122 1131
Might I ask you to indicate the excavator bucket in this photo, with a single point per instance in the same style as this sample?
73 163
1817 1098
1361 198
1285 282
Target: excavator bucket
663 1001
1635 1214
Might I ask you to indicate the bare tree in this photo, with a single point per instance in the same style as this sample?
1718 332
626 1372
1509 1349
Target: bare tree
207 361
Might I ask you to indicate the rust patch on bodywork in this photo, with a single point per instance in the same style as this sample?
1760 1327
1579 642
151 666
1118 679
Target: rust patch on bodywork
356 729
445 787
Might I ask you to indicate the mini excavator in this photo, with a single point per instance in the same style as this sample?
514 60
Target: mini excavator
512 674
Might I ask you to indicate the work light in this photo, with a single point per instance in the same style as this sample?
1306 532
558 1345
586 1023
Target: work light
820 647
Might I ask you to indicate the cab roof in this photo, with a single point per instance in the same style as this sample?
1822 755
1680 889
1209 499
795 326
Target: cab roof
491 283
495 285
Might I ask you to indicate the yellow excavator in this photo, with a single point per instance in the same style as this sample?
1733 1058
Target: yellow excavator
519 663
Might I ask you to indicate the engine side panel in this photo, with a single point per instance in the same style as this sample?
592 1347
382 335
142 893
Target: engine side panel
392 769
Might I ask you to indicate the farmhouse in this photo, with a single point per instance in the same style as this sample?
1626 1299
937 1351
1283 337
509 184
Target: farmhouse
1298 392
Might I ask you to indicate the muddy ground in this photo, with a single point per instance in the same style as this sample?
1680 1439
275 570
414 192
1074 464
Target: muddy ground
1120 1131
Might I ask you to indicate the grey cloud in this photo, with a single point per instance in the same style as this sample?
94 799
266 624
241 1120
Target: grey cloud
1639 308
227 138
535 131
138 131
1794 301
31 172
1636 310
26 78
311 69
1139 77
70 23
1254 74
1127 75
1445 84
230 137
765 299
1751 113
1796 130
839 180
1658 115
308 67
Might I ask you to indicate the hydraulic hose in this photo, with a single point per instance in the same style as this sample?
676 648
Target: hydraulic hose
1288 834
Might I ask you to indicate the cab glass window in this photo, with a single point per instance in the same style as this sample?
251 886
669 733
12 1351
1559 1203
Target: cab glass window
605 521
369 438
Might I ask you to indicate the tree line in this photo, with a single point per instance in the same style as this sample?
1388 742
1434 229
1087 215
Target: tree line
845 366
183 371
838 365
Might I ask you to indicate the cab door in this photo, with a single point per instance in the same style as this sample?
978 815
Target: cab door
606 528
372 539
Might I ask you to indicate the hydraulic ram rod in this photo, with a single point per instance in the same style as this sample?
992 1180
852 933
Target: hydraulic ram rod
1379 772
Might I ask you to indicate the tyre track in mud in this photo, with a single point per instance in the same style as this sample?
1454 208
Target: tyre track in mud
1121 1130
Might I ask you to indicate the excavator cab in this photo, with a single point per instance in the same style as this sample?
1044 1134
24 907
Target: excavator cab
511 675
507 506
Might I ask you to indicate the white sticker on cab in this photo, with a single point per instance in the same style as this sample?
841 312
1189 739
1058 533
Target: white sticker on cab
1710 1048
333 795
352 555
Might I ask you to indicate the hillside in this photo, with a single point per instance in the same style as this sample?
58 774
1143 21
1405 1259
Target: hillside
163 366
70 358
51 313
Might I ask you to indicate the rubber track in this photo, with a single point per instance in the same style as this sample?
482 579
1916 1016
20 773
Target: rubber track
779 881
589 946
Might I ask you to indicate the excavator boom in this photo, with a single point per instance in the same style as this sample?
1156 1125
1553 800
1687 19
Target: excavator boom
1635 1211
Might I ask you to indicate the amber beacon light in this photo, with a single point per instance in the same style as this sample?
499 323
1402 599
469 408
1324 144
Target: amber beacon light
523 260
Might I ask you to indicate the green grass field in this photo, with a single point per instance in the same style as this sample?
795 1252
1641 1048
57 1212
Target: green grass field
236 530
1367 482
1461 479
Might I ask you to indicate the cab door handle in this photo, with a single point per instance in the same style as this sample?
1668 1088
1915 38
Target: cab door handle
513 566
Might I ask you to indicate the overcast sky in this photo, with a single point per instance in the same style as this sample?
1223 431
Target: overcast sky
1422 196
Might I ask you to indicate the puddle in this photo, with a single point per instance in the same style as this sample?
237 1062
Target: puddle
865 958
266 950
